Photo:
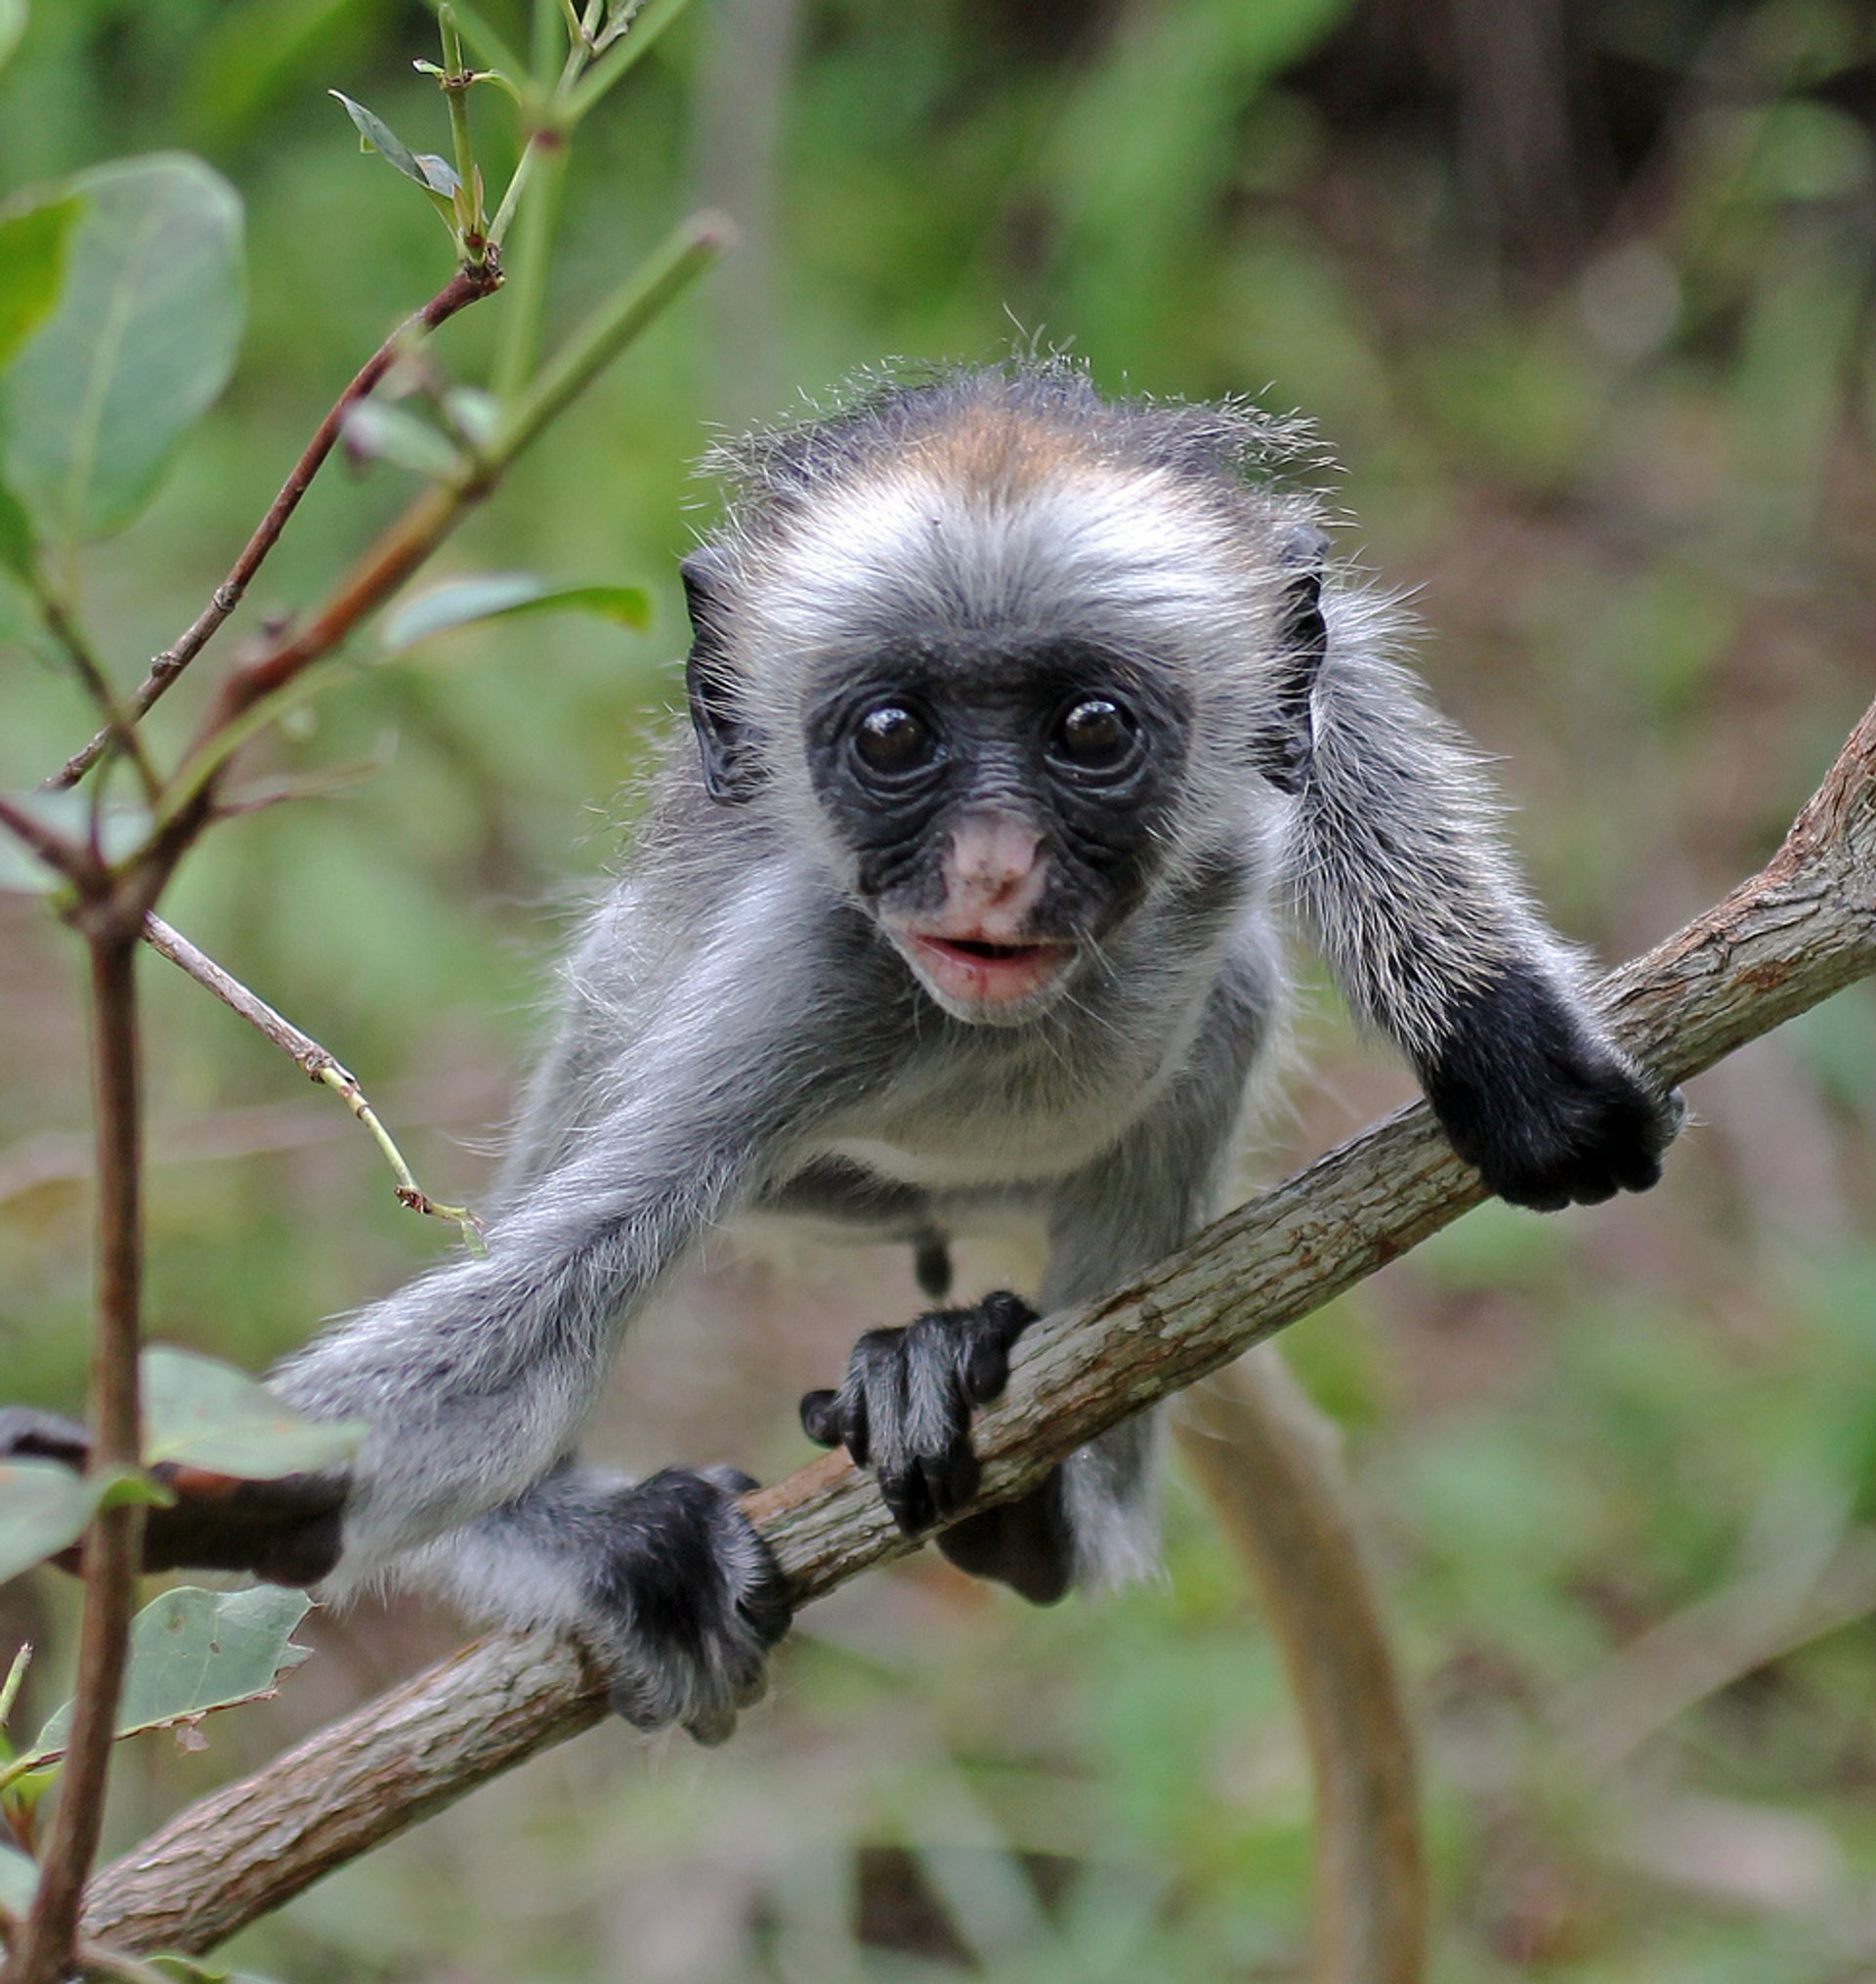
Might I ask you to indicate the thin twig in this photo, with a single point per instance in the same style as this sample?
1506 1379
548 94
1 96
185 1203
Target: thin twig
118 728
467 285
317 1063
1802 929
113 1543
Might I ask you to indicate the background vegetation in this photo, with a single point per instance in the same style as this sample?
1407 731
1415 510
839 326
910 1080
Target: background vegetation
1583 297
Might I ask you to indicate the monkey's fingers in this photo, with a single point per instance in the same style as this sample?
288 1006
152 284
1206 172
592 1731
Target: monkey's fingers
1000 1320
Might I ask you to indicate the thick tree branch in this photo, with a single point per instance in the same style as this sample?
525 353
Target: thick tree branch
1778 944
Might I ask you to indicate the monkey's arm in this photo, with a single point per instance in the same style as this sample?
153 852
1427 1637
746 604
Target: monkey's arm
1397 865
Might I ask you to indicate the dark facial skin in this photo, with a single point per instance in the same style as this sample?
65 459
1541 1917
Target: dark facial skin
1075 739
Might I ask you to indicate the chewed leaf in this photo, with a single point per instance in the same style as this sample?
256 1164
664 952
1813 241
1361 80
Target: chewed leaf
505 594
192 1652
141 341
211 1416
43 1508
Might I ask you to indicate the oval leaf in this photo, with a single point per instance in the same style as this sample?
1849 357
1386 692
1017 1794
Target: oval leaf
43 1509
192 1652
504 595
211 1416
33 242
141 342
375 134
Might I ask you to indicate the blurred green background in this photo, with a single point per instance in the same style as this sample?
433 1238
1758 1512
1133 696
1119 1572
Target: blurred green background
1584 297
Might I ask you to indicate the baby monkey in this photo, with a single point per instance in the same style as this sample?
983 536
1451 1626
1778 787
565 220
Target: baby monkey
1021 716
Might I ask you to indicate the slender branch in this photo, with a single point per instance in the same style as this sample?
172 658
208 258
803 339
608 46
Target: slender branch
466 286
96 682
113 1543
1802 929
317 1063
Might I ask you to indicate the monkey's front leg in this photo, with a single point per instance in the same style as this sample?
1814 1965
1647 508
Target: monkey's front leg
664 1581
903 1412
285 1531
1530 1091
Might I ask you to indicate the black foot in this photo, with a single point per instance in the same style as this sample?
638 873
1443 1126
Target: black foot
1025 1545
1549 1113
903 1410
286 1531
687 1598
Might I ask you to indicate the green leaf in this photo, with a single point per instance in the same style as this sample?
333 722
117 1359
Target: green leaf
33 243
17 553
192 1652
209 1414
19 1877
12 24
504 595
142 341
432 173
381 432
44 1507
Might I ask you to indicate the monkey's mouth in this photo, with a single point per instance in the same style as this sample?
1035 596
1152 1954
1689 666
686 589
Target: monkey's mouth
972 977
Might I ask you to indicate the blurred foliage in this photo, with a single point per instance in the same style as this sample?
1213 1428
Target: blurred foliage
1583 294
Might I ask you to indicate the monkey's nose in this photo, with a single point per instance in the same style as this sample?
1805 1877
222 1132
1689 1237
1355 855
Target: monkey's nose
994 874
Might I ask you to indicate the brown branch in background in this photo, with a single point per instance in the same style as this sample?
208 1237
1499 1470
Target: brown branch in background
470 283
117 730
113 1543
64 856
1802 929
317 1063
1271 1466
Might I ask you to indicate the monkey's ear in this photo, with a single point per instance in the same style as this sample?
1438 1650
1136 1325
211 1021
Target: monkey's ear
1287 742
732 766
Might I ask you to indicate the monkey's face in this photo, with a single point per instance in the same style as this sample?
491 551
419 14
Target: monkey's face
1002 803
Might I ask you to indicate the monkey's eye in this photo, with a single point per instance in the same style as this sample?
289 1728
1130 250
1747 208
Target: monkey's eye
1096 734
894 738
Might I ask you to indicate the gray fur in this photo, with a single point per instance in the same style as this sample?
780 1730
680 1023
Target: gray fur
737 1036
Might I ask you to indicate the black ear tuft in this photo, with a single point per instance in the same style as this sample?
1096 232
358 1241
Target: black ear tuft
732 763
1303 641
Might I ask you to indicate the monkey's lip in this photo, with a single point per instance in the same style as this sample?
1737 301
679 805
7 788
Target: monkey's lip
972 971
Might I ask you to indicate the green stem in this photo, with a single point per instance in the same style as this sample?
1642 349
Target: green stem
622 56
648 290
528 269
490 49
470 238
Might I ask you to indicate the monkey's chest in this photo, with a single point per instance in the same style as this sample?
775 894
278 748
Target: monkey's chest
1014 1122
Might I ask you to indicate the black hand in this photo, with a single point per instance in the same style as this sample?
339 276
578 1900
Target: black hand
285 1531
904 1409
1549 1113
